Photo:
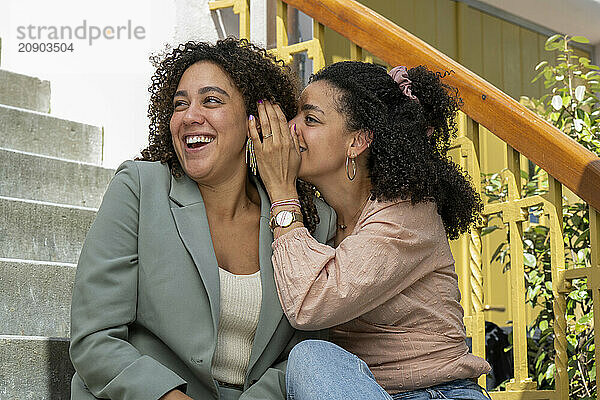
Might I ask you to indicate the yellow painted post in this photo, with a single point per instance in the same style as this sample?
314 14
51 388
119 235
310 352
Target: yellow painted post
281 22
513 161
316 52
555 197
242 8
469 264
513 214
559 305
594 284
462 264
475 249
355 52
313 47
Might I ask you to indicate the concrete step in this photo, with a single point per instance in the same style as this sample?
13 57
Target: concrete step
30 176
34 368
24 91
40 231
43 134
35 297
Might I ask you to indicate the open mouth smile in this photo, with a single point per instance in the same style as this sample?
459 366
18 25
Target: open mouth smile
197 141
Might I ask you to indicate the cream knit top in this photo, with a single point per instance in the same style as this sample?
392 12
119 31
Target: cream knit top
241 297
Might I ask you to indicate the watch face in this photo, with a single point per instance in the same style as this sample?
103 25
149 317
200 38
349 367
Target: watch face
284 218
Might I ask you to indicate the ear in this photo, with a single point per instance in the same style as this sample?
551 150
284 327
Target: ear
361 140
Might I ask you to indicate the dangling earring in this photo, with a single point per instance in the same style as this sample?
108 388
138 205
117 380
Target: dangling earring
250 157
348 160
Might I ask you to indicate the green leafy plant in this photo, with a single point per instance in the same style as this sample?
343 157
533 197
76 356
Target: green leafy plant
572 105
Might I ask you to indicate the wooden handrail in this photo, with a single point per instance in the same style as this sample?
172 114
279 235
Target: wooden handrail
560 156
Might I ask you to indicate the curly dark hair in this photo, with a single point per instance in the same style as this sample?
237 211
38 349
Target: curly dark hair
257 75
404 160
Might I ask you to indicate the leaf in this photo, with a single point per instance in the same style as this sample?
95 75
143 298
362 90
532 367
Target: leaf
498 250
529 260
580 39
550 371
580 92
585 320
543 326
489 229
557 102
540 65
552 44
582 237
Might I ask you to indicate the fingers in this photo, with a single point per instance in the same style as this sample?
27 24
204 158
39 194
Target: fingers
284 128
253 131
268 124
294 137
277 123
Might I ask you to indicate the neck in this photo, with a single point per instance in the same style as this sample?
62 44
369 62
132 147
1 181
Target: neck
230 197
347 198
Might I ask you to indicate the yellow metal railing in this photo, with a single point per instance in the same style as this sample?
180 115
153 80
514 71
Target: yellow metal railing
514 213
284 51
313 47
241 8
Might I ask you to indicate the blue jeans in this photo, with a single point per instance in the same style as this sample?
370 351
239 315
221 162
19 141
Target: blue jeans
318 369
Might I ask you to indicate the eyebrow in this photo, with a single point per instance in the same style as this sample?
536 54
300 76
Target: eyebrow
311 107
203 90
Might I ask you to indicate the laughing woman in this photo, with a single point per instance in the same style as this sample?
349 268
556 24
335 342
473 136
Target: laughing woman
374 144
174 294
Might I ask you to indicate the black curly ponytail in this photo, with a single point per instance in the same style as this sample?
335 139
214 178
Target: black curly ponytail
408 155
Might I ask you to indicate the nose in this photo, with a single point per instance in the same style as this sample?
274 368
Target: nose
193 114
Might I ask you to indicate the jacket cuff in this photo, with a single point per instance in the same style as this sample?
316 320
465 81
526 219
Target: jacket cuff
145 378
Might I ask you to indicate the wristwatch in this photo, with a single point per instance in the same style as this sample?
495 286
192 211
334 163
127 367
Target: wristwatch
285 218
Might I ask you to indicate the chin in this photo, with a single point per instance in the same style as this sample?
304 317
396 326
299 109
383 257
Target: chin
195 172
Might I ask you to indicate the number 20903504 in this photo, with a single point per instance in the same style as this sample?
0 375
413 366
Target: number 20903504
26 47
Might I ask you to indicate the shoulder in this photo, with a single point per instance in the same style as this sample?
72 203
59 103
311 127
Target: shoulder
155 169
401 214
143 171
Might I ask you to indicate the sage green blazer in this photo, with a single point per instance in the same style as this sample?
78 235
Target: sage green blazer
145 306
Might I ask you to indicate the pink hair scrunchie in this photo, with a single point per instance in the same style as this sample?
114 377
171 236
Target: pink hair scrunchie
400 75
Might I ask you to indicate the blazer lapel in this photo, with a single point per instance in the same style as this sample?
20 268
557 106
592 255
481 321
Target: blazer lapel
192 224
270 310
190 218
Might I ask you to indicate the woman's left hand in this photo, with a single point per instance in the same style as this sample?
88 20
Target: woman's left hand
278 155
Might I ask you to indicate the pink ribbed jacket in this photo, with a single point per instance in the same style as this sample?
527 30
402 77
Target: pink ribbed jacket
388 292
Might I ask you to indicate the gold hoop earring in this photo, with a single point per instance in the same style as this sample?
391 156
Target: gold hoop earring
250 156
348 160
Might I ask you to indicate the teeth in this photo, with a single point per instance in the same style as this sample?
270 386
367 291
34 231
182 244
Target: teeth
199 139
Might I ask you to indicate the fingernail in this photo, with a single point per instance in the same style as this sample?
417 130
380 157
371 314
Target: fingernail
251 117
260 102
